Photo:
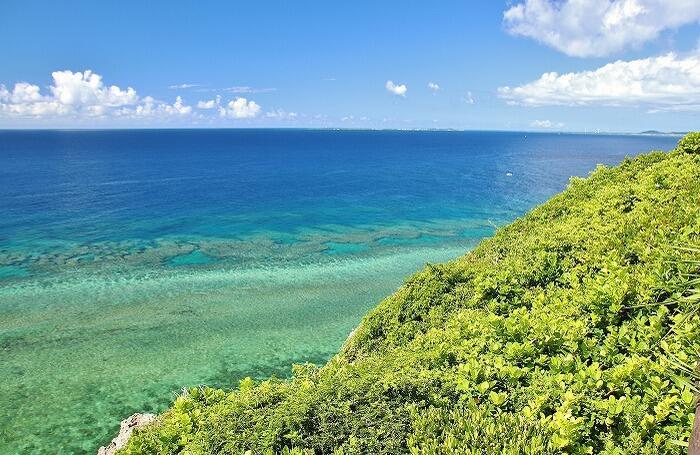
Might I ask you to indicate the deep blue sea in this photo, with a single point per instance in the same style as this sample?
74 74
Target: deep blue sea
133 263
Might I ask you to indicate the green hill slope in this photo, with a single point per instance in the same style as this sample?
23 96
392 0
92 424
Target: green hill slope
547 338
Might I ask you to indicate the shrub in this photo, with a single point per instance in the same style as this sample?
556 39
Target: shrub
547 338
690 143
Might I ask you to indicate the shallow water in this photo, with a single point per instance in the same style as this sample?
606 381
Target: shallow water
133 263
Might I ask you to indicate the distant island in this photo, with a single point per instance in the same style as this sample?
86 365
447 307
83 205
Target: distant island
662 133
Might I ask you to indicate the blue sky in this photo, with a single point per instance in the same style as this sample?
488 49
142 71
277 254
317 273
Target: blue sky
352 64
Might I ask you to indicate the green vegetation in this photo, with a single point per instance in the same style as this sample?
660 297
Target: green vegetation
561 334
690 143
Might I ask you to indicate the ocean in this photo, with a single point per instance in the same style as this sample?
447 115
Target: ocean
136 262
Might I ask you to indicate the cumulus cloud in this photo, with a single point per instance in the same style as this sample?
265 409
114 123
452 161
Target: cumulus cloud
152 108
78 94
546 124
396 89
177 108
22 93
597 27
666 82
434 87
240 108
87 89
210 104
83 95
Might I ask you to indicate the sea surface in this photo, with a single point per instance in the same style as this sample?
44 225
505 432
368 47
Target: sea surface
133 263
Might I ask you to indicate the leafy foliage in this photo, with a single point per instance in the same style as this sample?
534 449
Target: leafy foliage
690 143
547 338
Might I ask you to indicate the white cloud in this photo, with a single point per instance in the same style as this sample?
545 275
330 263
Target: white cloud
22 93
210 104
183 86
87 89
83 96
468 98
667 82
147 108
281 114
597 27
248 90
433 86
240 108
400 89
547 124
77 94
177 108
354 119
151 108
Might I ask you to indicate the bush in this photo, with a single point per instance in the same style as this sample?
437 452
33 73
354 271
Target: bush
475 431
550 337
690 143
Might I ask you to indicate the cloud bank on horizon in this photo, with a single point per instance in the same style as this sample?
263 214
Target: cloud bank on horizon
667 82
546 124
84 95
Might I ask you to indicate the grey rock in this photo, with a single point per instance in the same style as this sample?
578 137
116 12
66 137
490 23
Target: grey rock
125 429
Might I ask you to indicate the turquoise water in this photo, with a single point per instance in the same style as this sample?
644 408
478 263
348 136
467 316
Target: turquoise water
133 263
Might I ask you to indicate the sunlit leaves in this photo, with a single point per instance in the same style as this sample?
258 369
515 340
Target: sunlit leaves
567 332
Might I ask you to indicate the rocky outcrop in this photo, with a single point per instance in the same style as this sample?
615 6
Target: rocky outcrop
125 429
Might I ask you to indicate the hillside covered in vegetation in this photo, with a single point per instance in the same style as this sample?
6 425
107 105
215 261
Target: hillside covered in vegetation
561 334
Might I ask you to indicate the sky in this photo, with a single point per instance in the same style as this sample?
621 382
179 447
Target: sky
526 65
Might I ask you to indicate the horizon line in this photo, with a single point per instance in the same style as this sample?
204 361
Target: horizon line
447 130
